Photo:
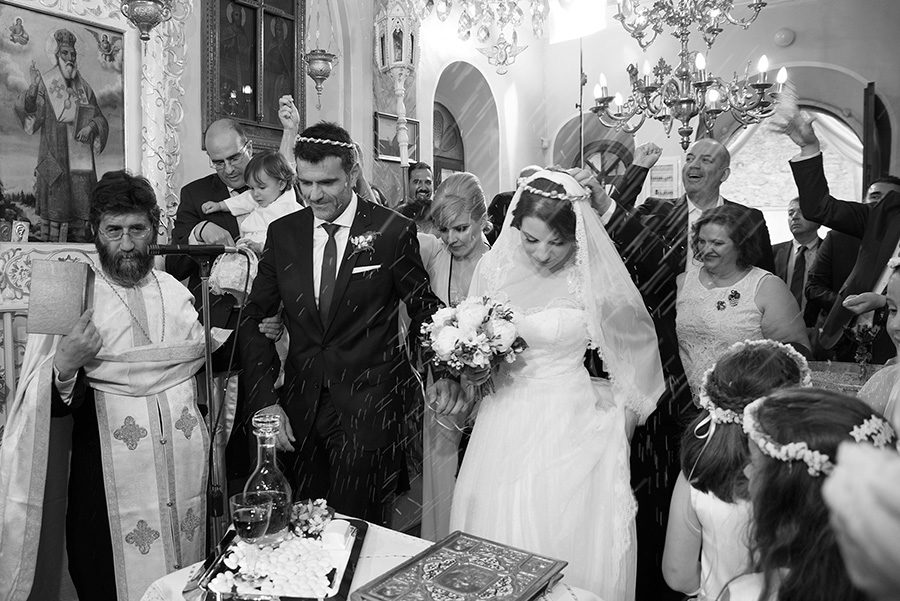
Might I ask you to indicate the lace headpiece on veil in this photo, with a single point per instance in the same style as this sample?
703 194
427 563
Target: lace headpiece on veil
618 324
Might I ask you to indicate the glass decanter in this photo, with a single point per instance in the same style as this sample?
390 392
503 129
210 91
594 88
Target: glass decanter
267 478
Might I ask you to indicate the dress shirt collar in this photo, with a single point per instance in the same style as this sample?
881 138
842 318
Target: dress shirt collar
345 219
811 247
692 208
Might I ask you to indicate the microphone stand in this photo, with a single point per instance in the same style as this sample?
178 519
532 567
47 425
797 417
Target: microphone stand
217 516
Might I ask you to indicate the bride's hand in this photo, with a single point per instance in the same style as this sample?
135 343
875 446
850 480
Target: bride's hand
476 377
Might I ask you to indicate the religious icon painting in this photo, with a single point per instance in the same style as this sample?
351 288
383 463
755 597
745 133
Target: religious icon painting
62 93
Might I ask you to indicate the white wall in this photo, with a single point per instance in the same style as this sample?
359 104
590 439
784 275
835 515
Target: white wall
518 95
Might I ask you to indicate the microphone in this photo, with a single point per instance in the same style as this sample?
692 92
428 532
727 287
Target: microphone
193 250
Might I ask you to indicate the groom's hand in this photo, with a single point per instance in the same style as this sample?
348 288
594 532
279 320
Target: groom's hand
286 434
447 397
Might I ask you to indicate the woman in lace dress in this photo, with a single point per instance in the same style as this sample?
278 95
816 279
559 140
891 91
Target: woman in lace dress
728 300
547 466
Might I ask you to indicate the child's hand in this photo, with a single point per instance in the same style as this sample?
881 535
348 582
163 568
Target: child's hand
210 207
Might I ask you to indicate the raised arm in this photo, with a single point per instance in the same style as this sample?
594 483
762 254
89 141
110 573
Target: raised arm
816 202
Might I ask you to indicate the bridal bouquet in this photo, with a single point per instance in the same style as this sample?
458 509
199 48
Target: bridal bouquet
478 333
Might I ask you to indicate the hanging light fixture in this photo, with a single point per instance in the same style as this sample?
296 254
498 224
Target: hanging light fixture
689 90
147 14
396 30
320 61
493 22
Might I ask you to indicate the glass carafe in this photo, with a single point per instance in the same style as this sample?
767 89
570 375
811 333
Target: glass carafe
267 478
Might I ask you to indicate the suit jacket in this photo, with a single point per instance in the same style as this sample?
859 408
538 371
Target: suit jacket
189 214
782 252
355 354
652 241
877 226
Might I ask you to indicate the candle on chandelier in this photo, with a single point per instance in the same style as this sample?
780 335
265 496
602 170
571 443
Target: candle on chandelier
604 90
762 66
647 72
781 78
618 101
713 100
700 64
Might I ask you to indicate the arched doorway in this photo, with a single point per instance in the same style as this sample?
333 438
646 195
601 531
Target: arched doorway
465 95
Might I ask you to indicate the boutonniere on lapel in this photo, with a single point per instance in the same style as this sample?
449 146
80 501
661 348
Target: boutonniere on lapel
364 243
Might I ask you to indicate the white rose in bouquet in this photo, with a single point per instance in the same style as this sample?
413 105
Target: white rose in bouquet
505 333
445 341
444 316
470 316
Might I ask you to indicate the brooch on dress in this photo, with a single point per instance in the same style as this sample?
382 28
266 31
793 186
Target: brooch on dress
733 297
364 243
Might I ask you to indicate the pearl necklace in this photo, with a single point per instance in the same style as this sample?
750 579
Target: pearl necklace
130 312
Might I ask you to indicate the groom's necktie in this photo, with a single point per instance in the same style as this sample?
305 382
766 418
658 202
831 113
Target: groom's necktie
329 267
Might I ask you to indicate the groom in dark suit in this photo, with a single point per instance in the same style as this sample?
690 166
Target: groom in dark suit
341 267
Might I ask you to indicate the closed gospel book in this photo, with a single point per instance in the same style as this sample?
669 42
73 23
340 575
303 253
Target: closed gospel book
463 567
60 292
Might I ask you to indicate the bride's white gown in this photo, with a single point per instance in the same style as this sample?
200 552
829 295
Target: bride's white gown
547 466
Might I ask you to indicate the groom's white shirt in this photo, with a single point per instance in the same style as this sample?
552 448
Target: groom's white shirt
320 237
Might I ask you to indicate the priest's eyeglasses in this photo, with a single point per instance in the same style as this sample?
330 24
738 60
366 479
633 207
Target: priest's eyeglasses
135 232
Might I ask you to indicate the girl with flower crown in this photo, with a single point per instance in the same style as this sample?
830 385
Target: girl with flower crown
794 437
709 514
547 466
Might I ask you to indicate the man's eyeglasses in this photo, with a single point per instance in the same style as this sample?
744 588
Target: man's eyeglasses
137 232
231 161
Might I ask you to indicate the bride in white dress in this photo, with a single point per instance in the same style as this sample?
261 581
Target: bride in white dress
547 466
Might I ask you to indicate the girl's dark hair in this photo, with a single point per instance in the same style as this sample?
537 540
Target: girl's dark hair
716 464
557 213
120 192
790 520
271 163
741 228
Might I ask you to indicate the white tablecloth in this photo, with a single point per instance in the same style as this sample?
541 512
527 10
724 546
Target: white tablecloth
382 550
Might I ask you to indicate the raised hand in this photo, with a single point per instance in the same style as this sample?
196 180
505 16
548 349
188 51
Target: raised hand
35 74
600 200
288 113
77 347
798 127
646 155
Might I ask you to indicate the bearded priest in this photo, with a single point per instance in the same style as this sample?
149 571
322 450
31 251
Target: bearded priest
136 507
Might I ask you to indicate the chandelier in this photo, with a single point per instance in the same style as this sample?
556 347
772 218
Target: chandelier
147 14
688 90
493 23
320 61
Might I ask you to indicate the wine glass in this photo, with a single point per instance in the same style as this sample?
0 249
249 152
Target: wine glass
250 513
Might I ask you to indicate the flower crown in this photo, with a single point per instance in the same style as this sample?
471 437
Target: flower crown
718 415
874 430
324 141
523 184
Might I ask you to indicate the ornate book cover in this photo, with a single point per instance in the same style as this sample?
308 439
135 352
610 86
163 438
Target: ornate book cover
463 567
60 292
